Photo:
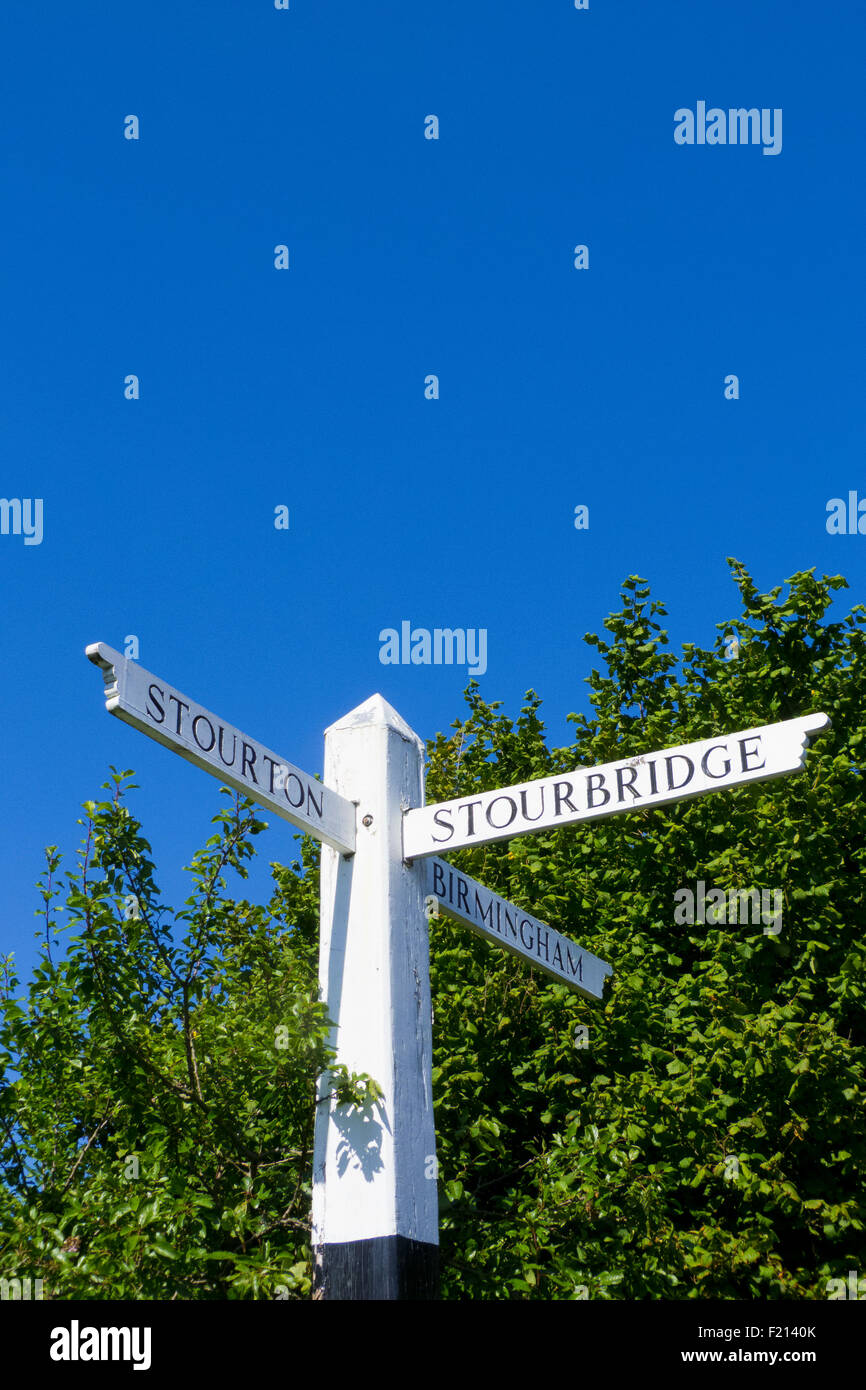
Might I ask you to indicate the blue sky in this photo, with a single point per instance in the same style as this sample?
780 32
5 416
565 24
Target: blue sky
305 387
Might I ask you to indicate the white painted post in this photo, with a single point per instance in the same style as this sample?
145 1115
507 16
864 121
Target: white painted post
375 1207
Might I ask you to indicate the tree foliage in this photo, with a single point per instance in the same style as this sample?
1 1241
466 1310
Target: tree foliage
156 1140
707 1141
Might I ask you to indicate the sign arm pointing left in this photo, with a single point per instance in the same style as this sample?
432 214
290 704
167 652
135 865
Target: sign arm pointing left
157 709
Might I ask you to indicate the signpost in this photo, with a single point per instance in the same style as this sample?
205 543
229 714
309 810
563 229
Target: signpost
375 1215
652 779
375 1203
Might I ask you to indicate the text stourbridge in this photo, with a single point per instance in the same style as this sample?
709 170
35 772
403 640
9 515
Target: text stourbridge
652 779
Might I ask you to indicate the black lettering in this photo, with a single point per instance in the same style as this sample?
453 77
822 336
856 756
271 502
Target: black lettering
620 774
312 802
438 880
234 748
248 756
489 812
590 789
746 753
669 761
538 943
523 810
562 798
273 766
654 786
509 923
180 705
155 701
725 770
527 944
443 824
202 718
463 896
575 969
293 777
469 808
479 911
557 956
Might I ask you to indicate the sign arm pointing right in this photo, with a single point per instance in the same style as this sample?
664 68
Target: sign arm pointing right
651 779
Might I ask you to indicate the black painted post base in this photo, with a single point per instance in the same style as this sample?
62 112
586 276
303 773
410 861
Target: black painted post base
388 1267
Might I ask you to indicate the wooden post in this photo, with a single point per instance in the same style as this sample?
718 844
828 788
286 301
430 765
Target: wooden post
375 1208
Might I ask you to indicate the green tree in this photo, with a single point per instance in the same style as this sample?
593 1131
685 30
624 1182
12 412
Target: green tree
158 1084
706 1142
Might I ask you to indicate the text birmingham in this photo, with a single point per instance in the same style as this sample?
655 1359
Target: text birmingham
736 126
533 936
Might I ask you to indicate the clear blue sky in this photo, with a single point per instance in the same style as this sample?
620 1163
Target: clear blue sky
306 387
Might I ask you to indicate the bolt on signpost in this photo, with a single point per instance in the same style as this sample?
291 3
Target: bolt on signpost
375 1214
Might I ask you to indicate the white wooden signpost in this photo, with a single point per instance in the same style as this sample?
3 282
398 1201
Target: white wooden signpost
375 1213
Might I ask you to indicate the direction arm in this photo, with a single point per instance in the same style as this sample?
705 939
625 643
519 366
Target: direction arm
178 722
588 793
